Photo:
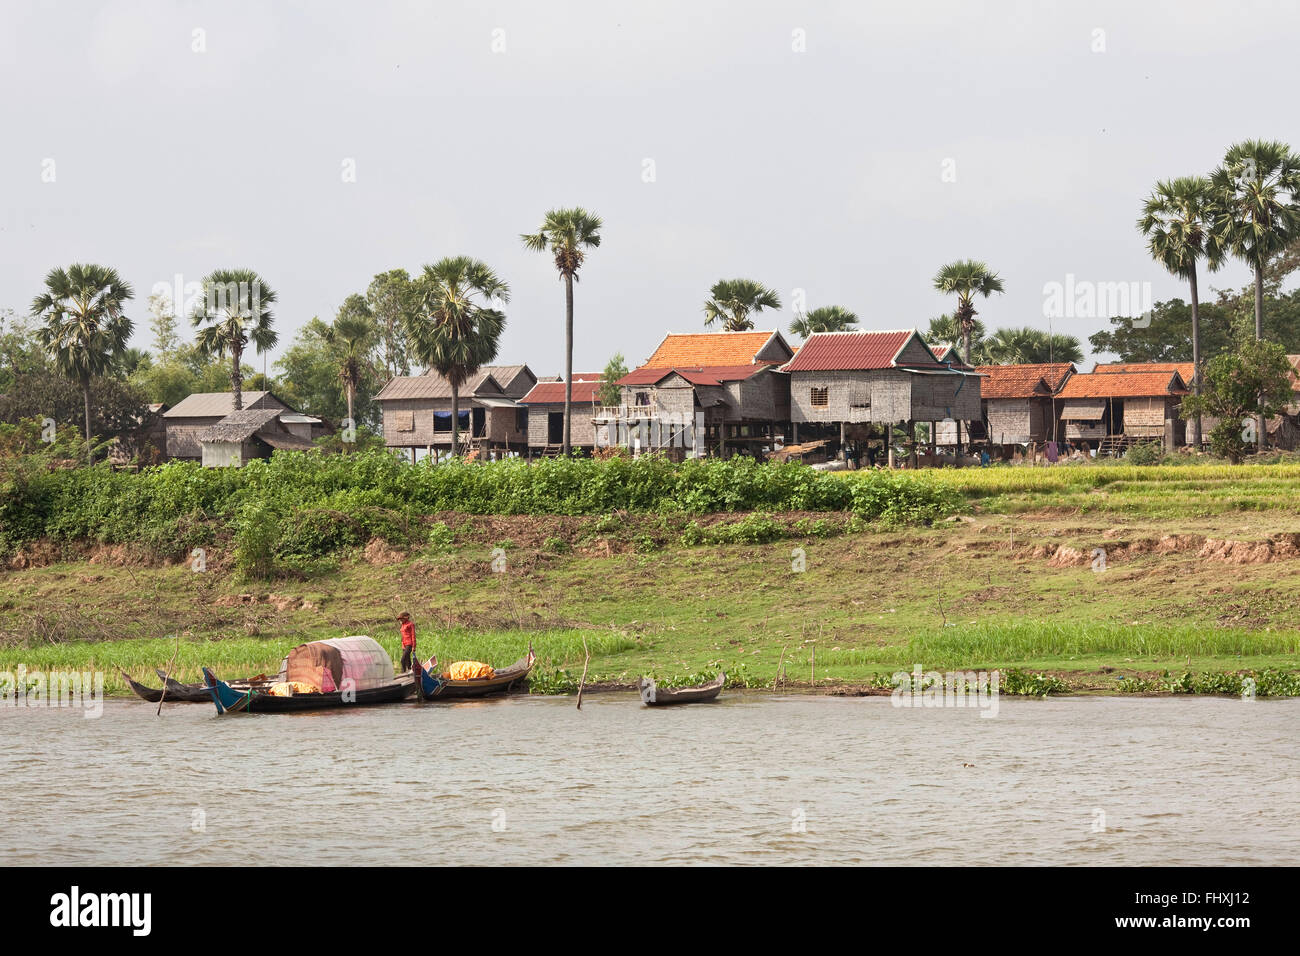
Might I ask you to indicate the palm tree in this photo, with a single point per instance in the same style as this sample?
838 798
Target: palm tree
1177 219
235 310
945 330
456 329
829 318
353 337
967 278
732 300
567 233
1258 184
85 330
1030 346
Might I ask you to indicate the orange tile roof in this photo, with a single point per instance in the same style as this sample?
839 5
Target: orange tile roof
1022 381
1185 369
1127 385
696 349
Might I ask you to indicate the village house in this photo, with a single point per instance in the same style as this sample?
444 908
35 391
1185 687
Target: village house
185 420
417 412
251 433
1109 410
1020 404
851 382
545 407
703 394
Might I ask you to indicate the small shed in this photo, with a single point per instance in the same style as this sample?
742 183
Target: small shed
247 434
195 413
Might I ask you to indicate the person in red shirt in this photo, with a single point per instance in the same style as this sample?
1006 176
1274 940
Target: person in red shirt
408 639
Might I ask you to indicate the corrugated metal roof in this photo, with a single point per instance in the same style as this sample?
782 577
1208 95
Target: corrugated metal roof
695 349
431 385
552 393
1125 385
855 351
218 404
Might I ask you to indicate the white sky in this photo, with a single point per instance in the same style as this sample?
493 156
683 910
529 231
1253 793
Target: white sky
819 170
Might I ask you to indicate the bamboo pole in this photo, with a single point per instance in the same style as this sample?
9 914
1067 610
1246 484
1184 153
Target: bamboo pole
583 681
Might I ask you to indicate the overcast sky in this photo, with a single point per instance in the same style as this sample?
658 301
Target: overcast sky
844 149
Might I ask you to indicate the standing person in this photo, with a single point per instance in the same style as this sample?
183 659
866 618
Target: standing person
408 640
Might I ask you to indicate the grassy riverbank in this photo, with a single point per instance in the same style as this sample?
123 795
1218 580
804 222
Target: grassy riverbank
1212 591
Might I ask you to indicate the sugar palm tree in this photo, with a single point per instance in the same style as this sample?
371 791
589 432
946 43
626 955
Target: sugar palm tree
1177 220
235 310
731 301
1030 346
352 337
945 330
85 331
567 234
967 279
457 328
1258 186
829 318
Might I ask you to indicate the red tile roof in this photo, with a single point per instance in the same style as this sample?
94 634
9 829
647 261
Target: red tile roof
1126 385
1184 369
858 351
1022 381
552 393
697 375
696 349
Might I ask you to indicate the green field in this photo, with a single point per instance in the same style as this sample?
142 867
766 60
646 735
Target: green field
1200 577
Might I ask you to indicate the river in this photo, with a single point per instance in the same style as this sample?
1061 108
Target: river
752 779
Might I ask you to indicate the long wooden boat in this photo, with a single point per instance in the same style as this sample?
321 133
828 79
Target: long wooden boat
435 687
175 692
257 700
654 696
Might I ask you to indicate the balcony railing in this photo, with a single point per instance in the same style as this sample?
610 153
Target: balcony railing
623 413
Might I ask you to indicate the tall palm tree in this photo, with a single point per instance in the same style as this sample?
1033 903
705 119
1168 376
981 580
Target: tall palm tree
235 309
456 330
1030 346
967 279
1258 186
1177 220
829 318
85 331
352 337
732 300
567 234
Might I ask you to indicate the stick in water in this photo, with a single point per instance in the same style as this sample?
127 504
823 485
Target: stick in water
158 713
583 681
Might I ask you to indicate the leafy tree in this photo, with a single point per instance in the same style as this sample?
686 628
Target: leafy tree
828 318
732 301
967 278
1252 380
234 311
162 322
457 330
1177 219
615 369
392 296
1030 346
567 234
85 328
352 338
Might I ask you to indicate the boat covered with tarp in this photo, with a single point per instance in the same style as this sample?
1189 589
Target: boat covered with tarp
471 678
338 672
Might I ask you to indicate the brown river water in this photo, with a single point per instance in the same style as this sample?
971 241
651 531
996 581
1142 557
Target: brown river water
751 779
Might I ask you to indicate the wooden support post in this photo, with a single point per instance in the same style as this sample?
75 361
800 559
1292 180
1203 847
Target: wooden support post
911 443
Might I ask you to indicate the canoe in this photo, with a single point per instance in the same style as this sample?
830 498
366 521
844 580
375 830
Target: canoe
653 696
179 693
436 687
257 700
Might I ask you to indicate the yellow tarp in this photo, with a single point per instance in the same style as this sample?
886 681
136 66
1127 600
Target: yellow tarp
468 670
290 687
